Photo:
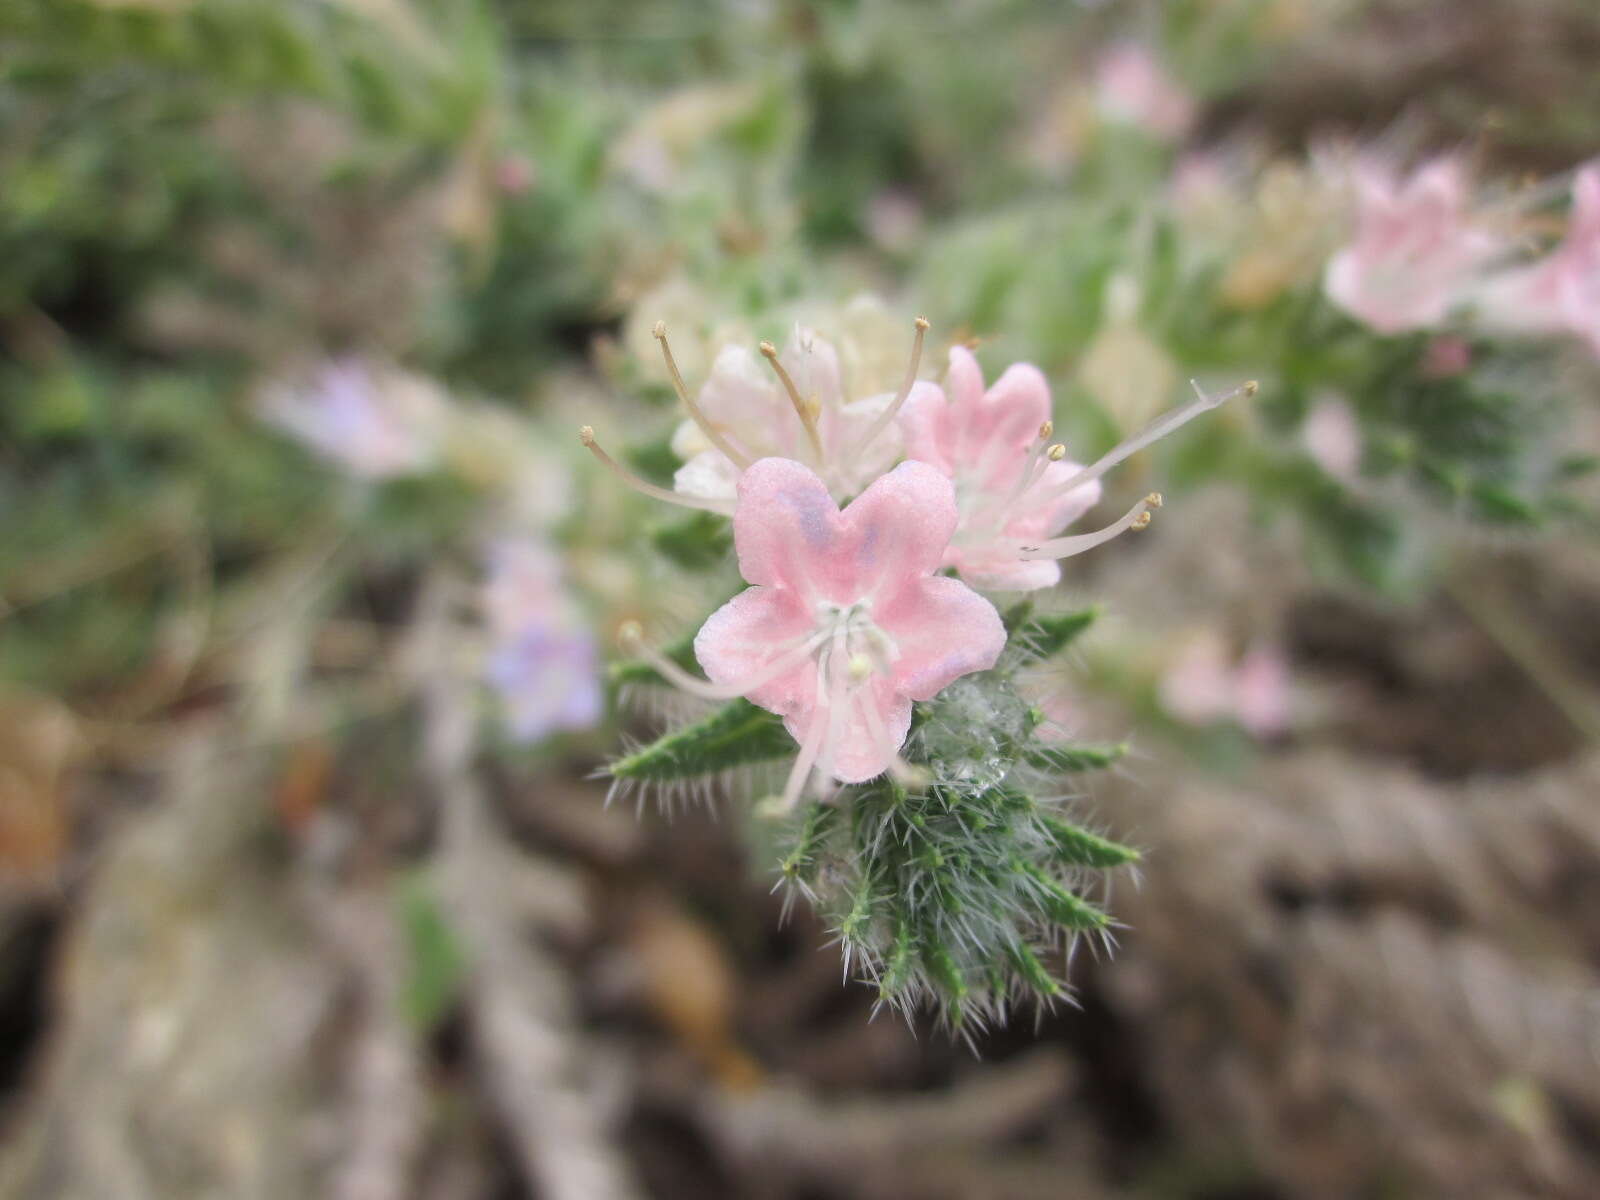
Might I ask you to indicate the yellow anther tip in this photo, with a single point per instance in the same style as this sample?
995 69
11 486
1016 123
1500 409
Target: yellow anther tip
768 349
586 435
1251 388
1056 453
1153 500
659 329
1046 430
630 633
1142 521
922 323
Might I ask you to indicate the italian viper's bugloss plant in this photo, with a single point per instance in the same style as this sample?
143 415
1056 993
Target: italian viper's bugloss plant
924 804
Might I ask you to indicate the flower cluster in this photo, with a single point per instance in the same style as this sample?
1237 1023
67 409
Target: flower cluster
1420 254
852 615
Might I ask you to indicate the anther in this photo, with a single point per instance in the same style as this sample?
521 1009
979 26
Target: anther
1056 453
1045 430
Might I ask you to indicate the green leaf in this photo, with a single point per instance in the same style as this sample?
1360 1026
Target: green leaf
697 542
735 735
1050 633
1073 844
436 963
1032 971
1061 905
1072 759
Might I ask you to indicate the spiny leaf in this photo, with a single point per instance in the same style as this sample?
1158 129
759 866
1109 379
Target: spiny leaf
897 970
801 861
1062 905
1073 844
1048 634
1070 759
1033 971
943 970
734 735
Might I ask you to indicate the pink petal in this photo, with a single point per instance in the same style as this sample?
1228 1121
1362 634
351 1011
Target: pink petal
743 637
784 526
925 419
1013 409
857 756
814 365
942 630
964 378
996 572
788 532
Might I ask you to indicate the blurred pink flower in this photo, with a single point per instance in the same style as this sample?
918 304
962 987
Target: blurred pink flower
376 422
1561 293
1203 685
846 623
514 174
1447 357
1332 437
543 661
1133 86
1414 254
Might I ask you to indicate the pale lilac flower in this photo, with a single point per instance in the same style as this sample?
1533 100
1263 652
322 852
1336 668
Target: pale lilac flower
543 661
1414 253
1014 489
797 410
376 422
1561 293
846 624
1332 437
1132 86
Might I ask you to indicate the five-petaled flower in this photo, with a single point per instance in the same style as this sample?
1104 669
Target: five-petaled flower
1414 251
1014 489
846 623
1561 292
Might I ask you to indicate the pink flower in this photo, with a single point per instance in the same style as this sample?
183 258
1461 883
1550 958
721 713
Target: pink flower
1132 86
797 409
846 623
1414 253
1561 293
1203 685
1014 490
1332 437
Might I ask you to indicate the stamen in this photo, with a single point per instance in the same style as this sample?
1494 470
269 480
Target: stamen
631 635
889 414
1137 517
800 773
586 436
904 773
1155 431
700 419
804 409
